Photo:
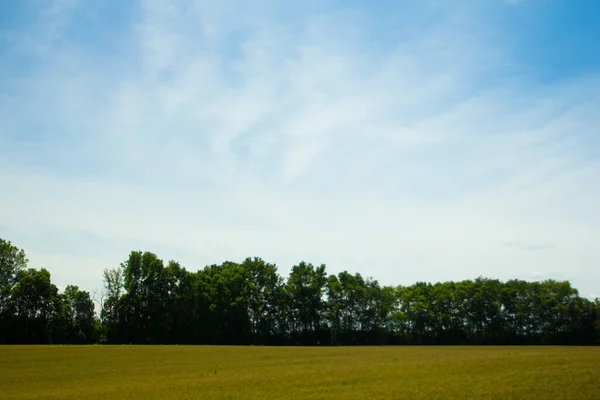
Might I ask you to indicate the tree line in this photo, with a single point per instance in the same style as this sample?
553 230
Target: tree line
148 301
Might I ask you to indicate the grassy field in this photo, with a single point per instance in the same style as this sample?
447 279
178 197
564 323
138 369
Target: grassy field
204 372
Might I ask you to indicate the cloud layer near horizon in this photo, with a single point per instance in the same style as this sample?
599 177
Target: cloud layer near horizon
405 142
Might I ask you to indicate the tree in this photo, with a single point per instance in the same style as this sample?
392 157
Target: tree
227 297
12 262
305 287
180 303
380 303
348 306
110 315
596 321
80 309
263 290
34 297
335 309
145 301
146 282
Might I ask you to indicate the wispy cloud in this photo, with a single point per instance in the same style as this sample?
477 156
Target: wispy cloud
334 133
529 246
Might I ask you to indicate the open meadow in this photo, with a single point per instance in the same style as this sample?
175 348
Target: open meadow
207 372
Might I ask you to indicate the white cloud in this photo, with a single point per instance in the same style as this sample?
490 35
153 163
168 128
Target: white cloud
228 134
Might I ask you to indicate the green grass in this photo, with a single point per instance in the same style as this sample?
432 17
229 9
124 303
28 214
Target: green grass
206 372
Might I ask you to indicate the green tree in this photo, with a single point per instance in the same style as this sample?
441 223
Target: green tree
180 303
145 304
596 321
111 314
223 290
263 286
381 303
416 305
348 306
305 287
34 297
80 309
12 262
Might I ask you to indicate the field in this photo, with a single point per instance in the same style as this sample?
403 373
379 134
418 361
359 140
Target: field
206 372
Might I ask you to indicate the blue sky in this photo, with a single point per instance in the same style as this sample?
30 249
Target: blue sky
408 141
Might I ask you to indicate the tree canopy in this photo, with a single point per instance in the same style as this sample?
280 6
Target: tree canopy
148 301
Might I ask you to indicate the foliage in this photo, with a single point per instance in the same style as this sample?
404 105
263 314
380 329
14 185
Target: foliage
148 301
12 263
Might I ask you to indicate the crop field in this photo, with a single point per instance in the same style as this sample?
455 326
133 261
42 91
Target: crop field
206 372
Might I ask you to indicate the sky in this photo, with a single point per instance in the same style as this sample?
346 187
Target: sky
403 140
